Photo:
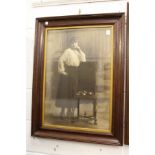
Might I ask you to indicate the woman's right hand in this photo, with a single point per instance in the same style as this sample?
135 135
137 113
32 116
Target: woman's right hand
64 73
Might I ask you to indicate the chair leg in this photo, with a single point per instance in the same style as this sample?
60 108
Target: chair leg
78 108
94 111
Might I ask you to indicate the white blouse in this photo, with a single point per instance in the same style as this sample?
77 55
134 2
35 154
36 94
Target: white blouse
70 57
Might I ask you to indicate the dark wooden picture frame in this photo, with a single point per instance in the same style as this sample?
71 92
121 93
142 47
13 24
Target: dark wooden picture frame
116 136
126 134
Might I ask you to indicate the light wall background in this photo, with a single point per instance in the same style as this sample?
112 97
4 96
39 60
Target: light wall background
42 8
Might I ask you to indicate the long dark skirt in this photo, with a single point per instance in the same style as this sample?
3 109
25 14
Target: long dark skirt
67 86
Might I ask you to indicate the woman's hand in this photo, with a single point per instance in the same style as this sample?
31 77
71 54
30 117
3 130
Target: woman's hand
78 47
64 73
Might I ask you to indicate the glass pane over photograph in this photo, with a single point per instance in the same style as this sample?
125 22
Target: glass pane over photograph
78 75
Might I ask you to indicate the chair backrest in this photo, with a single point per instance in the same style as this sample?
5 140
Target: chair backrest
87 76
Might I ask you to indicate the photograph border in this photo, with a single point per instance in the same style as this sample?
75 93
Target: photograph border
111 81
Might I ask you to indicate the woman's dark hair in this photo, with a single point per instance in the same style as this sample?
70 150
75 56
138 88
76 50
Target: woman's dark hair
73 40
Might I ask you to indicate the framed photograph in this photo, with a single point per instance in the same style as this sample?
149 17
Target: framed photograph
78 79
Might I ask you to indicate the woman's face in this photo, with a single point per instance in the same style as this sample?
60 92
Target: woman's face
75 45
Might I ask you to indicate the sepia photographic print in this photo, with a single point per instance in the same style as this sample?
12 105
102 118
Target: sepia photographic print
78 78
